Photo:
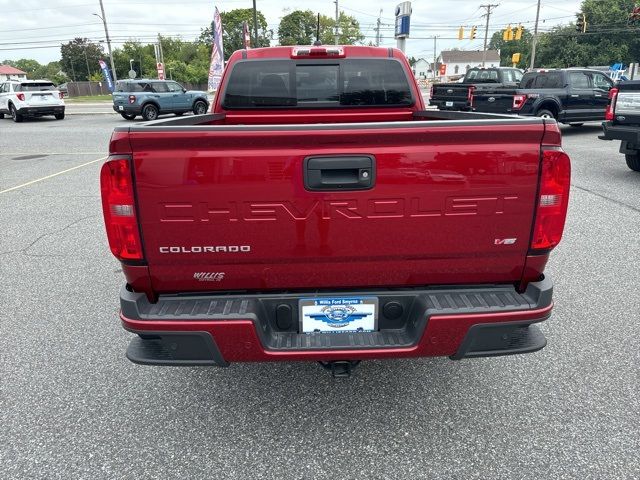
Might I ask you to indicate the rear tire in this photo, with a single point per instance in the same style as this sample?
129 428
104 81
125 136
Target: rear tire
128 116
59 116
633 161
1 116
15 115
546 114
150 112
199 108
576 125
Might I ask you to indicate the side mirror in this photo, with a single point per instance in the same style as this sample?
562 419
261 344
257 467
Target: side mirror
184 90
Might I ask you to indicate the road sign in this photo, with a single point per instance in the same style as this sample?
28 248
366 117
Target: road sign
132 74
160 68
443 69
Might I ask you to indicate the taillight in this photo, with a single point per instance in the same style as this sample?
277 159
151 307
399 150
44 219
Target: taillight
61 95
553 199
132 99
611 108
470 95
20 96
314 52
518 102
119 209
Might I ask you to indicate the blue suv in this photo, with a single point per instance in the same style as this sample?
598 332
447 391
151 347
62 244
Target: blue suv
151 98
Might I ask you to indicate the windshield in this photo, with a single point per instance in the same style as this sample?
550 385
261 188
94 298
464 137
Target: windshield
317 84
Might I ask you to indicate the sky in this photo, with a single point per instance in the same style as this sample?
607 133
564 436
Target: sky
35 29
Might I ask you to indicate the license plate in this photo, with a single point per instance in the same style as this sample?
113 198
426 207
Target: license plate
338 315
448 104
120 107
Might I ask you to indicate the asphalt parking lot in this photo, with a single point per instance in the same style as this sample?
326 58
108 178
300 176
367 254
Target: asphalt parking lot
72 406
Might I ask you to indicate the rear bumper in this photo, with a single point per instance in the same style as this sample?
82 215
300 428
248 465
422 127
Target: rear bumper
456 322
629 134
40 111
457 105
130 109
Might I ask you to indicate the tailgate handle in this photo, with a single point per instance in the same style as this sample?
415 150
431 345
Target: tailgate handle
339 173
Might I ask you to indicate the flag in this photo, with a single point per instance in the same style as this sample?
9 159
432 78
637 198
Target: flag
245 35
217 55
106 73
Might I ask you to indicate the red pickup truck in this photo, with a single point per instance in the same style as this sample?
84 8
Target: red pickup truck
321 213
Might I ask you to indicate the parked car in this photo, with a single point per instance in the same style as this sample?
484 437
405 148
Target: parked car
623 121
459 95
321 213
572 95
151 98
30 98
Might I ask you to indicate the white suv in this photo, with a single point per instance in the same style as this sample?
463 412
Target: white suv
30 98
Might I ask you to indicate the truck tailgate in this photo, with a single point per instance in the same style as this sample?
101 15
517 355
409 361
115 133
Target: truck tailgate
226 208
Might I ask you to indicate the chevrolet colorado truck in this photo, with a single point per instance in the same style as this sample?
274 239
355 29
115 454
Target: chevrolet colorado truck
321 213
459 96
623 121
572 95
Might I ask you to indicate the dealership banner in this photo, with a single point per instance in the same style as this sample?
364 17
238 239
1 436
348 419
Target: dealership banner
217 55
106 73
245 35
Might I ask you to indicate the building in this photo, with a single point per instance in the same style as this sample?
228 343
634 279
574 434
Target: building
455 63
422 69
9 73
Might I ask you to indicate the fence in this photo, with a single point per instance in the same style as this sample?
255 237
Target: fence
77 89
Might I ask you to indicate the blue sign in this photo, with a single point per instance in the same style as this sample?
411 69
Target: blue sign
106 73
402 26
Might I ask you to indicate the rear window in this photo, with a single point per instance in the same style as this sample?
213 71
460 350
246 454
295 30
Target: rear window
35 87
480 76
512 76
131 86
542 80
317 84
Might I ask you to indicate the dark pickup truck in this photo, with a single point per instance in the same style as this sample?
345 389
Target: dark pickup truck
570 96
623 121
321 213
459 96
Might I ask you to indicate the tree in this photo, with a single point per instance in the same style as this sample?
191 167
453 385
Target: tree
299 28
508 48
232 33
77 54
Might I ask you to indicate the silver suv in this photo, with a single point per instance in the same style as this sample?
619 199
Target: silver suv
30 98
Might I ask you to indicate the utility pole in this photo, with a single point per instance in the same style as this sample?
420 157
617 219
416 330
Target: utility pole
535 38
161 56
488 6
435 40
106 32
379 24
255 24
337 22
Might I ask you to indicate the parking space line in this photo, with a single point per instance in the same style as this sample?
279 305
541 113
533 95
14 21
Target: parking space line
22 154
52 175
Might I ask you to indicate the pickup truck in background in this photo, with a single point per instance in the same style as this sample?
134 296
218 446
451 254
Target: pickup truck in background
572 96
459 96
321 213
623 121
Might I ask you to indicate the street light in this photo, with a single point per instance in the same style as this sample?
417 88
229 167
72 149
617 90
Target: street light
106 32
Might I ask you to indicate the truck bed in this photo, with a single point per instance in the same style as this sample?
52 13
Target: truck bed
226 206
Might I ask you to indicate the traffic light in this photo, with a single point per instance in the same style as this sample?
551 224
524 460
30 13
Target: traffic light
461 33
507 34
581 23
474 29
519 30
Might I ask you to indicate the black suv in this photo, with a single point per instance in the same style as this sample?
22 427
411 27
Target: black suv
151 98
